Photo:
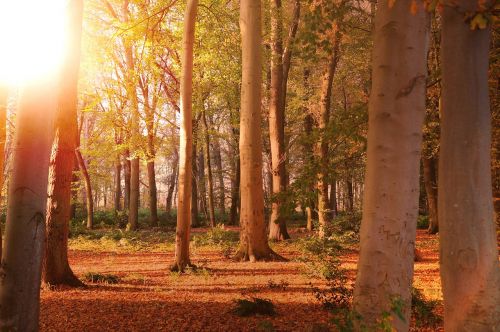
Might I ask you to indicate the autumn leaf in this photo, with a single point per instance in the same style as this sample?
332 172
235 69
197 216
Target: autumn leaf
479 21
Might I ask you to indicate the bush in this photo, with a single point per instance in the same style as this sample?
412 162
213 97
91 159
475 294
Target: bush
256 306
423 310
423 222
216 236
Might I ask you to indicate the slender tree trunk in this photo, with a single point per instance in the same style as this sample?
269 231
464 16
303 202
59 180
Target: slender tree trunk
211 208
308 147
277 222
153 195
333 198
323 117
396 111
88 188
56 269
470 273
201 184
171 181
186 142
4 95
220 175
349 195
235 192
126 179
195 216
118 184
253 239
430 182
25 228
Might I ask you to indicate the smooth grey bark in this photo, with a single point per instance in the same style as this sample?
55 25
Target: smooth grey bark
25 229
470 273
396 112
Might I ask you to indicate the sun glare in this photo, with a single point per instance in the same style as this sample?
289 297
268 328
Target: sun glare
31 39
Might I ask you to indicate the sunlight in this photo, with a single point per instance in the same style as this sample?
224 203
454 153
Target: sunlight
31 39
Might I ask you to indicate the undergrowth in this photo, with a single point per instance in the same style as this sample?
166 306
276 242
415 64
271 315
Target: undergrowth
254 306
95 277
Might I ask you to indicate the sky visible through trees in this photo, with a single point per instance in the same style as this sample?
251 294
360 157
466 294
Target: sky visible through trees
278 165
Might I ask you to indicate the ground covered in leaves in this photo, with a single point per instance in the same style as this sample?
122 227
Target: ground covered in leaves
130 287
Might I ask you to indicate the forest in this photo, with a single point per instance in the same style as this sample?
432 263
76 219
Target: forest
250 165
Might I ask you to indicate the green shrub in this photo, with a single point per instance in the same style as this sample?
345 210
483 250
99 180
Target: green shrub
256 306
423 310
216 236
423 222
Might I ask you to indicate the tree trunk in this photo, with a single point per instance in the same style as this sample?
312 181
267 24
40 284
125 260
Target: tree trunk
88 188
153 195
220 175
332 203
470 273
201 185
195 218
211 208
118 184
322 118
430 182
133 213
56 269
4 95
277 222
186 142
126 179
350 195
253 239
396 111
171 181
25 228
235 192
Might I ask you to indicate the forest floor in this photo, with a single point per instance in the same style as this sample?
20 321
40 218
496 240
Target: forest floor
143 295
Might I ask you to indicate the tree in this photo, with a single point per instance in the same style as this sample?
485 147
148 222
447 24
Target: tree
470 272
4 95
186 142
253 237
211 204
277 222
56 269
396 110
25 227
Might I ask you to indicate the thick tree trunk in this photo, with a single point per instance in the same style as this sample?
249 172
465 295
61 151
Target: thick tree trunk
126 179
118 184
153 195
186 142
396 111
253 239
430 182
25 228
210 180
277 222
56 269
322 119
4 95
88 188
470 273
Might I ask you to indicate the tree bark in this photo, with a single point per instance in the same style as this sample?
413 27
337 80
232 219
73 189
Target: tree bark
172 181
322 119
126 179
88 188
56 269
25 228
186 142
253 239
470 273
153 194
118 184
210 180
277 222
4 95
195 216
221 199
430 182
235 192
332 203
396 110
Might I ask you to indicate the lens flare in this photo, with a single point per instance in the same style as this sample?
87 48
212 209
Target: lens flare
31 39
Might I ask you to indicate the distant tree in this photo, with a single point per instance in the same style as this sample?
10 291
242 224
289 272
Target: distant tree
396 111
4 94
470 272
